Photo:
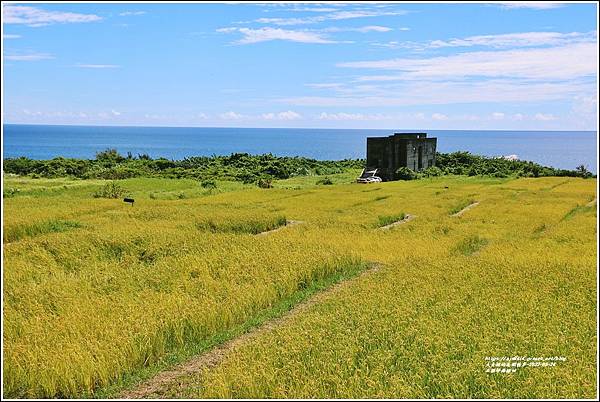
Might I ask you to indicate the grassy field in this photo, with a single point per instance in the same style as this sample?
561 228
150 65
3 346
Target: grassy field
99 294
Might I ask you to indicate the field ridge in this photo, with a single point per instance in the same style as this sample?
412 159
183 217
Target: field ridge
166 379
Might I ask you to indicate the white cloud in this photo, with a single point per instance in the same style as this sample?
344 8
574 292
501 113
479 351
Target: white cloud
544 117
115 112
334 16
10 36
543 63
126 13
36 17
314 9
29 57
98 66
585 111
353 116
289 115
231 116
439 116
424 92
534 5
390 45
585 105
331 85
269 34
522 39
498 116
365 29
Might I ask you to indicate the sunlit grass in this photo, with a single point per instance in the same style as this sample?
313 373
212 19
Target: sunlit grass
88 306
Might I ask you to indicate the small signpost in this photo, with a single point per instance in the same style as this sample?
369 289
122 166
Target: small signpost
129 200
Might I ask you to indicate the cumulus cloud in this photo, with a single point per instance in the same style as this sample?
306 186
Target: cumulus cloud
230 116
10 36
36 17
289 115
498 116
544 117
439 116
353 116
268 34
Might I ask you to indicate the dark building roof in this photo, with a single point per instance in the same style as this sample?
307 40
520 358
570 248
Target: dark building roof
405 136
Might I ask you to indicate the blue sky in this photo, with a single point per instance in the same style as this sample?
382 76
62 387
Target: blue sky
352 65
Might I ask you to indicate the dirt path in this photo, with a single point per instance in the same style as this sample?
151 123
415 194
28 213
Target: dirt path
465 209
407 218
167 379
287 224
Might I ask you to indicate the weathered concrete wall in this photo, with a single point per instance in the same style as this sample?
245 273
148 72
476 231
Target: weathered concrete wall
412 150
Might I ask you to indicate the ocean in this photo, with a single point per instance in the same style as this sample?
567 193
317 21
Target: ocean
560 149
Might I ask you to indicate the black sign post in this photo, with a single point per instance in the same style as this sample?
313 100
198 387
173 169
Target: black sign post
129 200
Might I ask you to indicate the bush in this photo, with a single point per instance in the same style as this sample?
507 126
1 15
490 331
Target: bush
405 173
209 184
433 171
325 181
583 172
9 192
110 156
264 182
110 190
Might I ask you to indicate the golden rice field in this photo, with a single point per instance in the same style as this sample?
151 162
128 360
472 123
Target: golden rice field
99 295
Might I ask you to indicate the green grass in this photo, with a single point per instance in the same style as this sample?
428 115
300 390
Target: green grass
460 206
159 290
384 220
471 245
579 209
181 354
249 226
18 232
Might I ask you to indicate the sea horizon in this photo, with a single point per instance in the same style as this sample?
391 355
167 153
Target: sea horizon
42 141
298 128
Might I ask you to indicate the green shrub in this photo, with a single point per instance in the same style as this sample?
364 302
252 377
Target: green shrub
470 245
325 181
9 192
264 182
433 171
110 190
209 184
404 173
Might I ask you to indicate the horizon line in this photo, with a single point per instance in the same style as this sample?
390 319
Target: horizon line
289 128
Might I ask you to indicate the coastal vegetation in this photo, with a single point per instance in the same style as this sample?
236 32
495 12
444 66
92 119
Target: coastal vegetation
100 295
261 170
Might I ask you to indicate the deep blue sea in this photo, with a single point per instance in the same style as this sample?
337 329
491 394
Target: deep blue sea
561 149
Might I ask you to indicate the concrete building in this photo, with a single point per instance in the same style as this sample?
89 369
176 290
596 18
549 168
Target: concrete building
412 150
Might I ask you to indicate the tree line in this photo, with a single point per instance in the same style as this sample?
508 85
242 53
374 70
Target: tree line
111 165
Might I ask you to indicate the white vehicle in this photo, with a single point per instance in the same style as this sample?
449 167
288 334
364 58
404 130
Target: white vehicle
368 176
